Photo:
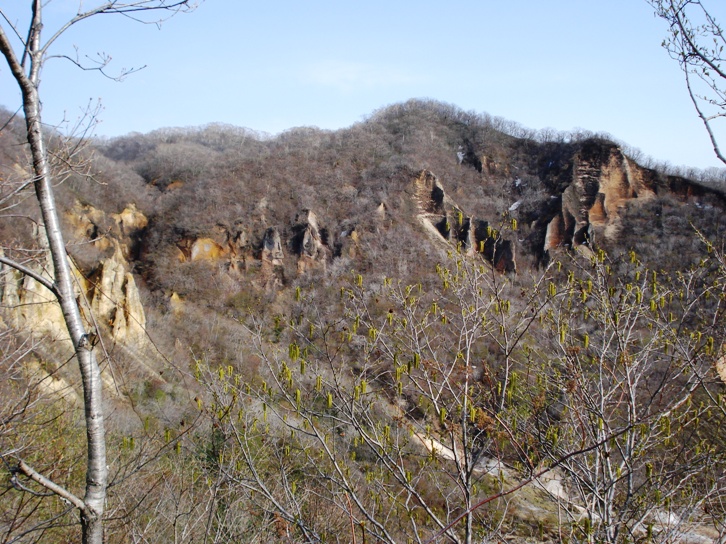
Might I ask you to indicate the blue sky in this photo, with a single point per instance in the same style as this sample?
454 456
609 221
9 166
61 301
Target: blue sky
278 64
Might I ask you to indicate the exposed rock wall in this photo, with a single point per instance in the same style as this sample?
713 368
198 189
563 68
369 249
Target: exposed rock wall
307 242
111 292
441 215
232 247
29 306
603 181
116 303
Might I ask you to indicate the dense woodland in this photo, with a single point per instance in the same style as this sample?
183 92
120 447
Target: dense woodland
432 326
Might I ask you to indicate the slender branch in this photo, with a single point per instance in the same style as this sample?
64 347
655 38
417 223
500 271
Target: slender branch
12 26
100 66
529 480
45 282
706 120
692 49
62 492
112 8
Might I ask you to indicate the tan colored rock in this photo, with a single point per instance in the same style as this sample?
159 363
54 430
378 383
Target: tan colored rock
430 193
30 306
307 242
444 219
115 302
555 233
134 317
604 180
206 249
92 225
130 220
721 368
84 220
108 286
176 303
382 212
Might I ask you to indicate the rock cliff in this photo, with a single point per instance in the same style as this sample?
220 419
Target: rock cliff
446 220
109 296
597 183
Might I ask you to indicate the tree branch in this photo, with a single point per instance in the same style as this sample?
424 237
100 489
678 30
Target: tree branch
63 493
706 120
529 480
122 9
45 282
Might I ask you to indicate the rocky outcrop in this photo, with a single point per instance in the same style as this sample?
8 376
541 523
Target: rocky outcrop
603 180
29 306
307 242
92 226
112 304
130 221
115 301
232 247
272 253
206 249
444 219
272 258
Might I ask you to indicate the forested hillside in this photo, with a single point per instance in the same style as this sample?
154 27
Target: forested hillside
431 326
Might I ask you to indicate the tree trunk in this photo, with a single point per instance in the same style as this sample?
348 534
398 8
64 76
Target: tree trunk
97 472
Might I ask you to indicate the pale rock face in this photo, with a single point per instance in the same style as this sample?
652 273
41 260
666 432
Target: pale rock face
30 305
238 240
446 221
721 368
206 249
555 233
85 221
116 301
176 303
382 212
130 220
430 194
307 241
108 286
111 292
90 225
272 247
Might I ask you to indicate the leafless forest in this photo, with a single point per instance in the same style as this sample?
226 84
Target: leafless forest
432 326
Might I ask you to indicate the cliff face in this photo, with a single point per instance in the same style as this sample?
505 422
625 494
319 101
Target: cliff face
603 181
600 182
110 300
338 214
587 191
446 220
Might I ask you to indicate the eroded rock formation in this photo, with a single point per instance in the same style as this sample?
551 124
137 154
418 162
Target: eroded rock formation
443 218
115 301
112 308
603 180
272 247
307 242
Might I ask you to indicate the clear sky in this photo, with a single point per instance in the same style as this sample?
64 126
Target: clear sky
276 64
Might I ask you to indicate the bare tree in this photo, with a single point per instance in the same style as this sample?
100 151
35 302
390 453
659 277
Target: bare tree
696 41
399 419
26 52
631 353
